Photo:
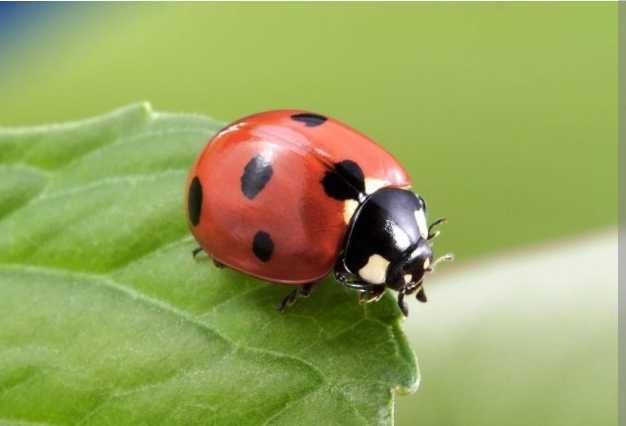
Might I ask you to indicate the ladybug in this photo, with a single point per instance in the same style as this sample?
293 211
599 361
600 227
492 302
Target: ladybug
288 196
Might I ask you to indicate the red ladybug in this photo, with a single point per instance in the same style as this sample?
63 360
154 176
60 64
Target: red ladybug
287 196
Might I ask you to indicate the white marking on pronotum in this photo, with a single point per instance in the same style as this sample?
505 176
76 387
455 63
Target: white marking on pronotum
422 225
407 278
372 185
349 207
402 239
375 271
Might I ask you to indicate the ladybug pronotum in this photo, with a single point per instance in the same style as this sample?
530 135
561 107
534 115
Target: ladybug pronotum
288 196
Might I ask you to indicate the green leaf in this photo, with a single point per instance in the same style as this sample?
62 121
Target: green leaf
106 318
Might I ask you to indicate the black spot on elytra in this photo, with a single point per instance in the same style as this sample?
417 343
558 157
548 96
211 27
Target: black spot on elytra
255 176
344 180
194 201
310 119
263 246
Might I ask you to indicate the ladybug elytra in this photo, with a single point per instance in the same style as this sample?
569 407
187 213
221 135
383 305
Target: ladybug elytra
289 196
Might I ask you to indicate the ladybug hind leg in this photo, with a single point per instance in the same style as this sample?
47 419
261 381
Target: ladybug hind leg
198 250
303 290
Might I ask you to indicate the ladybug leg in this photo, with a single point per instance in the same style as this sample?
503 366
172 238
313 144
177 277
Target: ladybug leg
346 277
306 289
373 294
353 281
418 289
432 235
303 290
402 304
369 292
197 250
421 296
289 300
361 286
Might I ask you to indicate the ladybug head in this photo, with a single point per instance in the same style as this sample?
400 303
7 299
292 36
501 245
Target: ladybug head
410 268
406 275
389 243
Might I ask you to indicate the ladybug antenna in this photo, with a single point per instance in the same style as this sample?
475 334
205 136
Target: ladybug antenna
445 258
431 234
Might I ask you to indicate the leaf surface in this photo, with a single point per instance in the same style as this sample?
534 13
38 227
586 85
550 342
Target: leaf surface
107 319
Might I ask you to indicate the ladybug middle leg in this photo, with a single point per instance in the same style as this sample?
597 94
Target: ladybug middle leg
303 290
402 304
432 235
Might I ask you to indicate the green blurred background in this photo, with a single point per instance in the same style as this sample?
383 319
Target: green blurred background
504 114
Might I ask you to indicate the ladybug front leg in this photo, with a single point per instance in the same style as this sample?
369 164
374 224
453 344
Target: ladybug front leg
372 294
344 276
353 281
368 292
418 289
402 304
303 290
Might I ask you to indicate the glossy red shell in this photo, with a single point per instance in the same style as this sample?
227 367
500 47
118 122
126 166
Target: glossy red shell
306 225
